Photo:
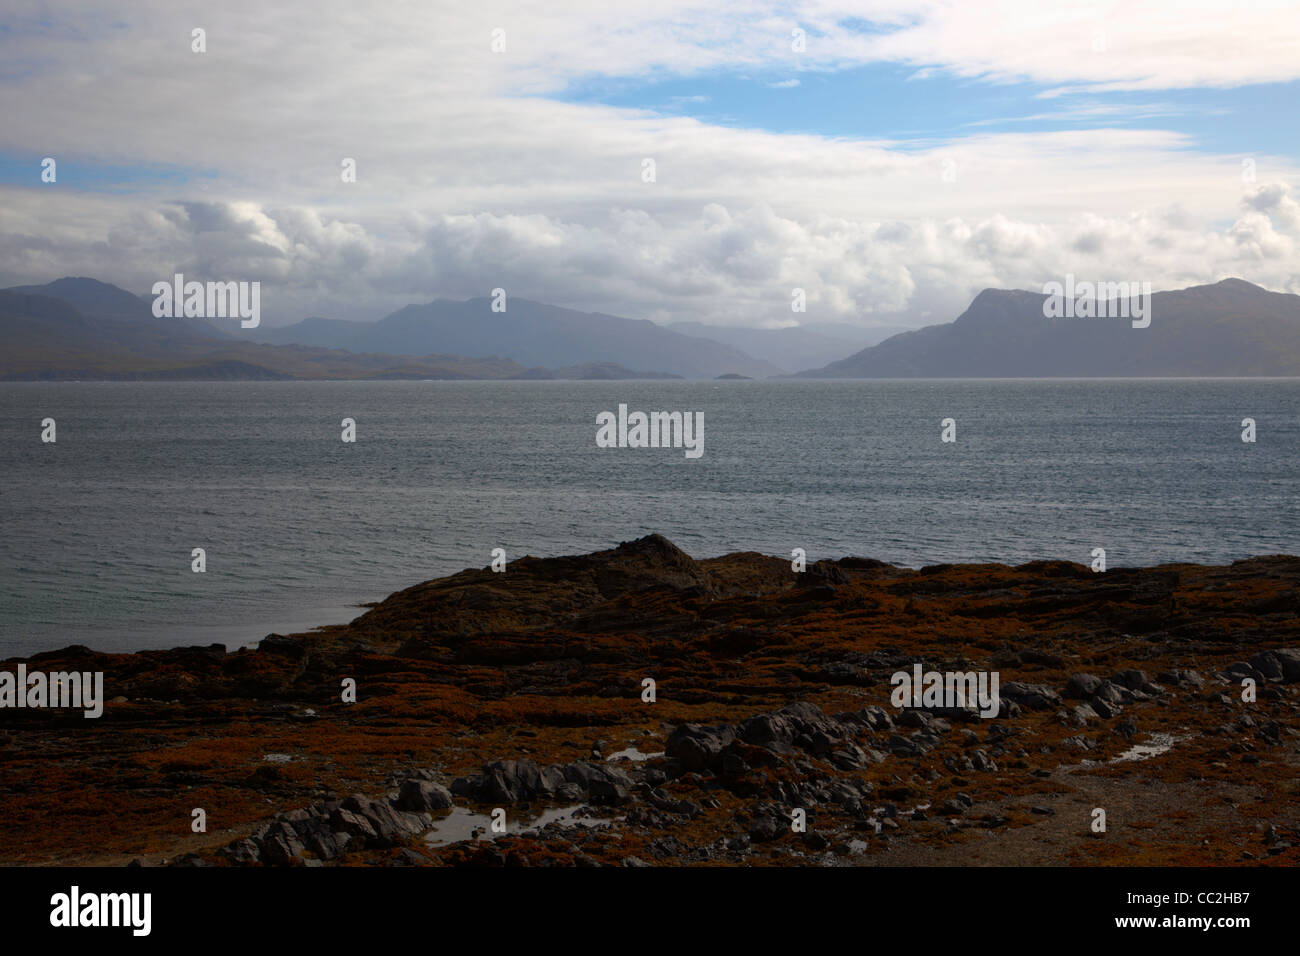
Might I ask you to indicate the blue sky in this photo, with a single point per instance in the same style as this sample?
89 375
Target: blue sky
524 167
880 102
890 102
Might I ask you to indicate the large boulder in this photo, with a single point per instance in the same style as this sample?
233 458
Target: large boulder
422 796
697 747
1082 686
1030 696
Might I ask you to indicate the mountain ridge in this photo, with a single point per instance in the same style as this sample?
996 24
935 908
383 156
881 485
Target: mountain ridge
529 332
1230 328
115 336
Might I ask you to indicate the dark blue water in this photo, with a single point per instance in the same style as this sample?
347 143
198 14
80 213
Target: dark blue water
299 527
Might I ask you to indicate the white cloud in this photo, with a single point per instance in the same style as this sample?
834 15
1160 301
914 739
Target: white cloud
472 175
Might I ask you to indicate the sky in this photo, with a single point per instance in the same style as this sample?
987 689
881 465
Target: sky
889 158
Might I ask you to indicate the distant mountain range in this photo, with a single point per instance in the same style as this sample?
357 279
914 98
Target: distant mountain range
795 347
531 333
78 328
1230 328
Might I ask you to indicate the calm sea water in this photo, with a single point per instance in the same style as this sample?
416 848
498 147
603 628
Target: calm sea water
300 527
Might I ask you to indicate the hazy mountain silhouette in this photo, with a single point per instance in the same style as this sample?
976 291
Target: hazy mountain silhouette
94 330
531 333
102 316
1230 328
793 348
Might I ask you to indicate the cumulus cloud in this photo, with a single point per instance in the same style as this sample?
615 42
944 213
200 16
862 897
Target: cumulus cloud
473 173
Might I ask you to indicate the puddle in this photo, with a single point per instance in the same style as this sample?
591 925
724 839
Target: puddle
280 758
631 753
464 824
1154 747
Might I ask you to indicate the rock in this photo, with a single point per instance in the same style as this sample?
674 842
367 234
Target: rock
1103 708
606 791
850 757
1289 660
1136 681
1241 670
353 824
1268 664
801 725
1030 696
734 765
281 846
242 852
1082 686
600 782
509 781
815 841
1112 693
968 714
423 796
901 746
913 718
766 829
697 747
877 718
981 762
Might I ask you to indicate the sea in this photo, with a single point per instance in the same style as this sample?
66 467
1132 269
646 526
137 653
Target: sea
300 529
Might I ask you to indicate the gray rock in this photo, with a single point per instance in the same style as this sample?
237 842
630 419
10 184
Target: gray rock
242 852
1112 693
1104 708
877 718
697 747
913 718
1030 696
1082 686
766 828
1268 664
981 762
509 781
1289 659
281 846
353 824
423 796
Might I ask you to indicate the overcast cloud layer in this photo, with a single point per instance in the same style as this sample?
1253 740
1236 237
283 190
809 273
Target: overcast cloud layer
475 173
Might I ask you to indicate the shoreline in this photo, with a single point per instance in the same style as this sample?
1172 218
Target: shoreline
303 628
773 691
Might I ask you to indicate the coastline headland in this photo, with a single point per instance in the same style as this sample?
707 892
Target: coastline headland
638 706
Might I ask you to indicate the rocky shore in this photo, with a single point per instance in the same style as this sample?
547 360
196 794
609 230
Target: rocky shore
518 700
